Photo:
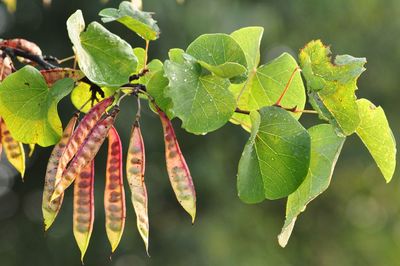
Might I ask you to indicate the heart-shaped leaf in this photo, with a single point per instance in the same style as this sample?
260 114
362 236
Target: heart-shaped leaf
276 157
29 107
203 102
105 58
325 149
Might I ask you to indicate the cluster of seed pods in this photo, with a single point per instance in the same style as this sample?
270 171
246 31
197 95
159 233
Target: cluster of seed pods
72 160
83 215
114 194
85 153
84 128
135 170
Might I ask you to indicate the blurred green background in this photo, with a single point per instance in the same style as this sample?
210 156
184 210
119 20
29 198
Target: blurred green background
356 222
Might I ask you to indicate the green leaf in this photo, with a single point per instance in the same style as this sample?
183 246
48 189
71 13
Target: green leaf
266 84
219 54
326 146
377 136
105 58
81 95
202 102
156 87
249 40
136 20
276 157
153 66
29 107
332 86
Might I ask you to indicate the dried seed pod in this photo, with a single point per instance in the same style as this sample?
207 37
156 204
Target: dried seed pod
22 44
13 149
114 194
81 132
52 75
135 168
50 209
86 153
178 171
83 216
6 66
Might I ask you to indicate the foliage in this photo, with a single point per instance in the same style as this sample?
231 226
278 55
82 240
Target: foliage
217 79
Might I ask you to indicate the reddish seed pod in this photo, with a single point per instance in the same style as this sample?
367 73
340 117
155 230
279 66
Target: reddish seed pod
83 216
135 169
86 153
51 209
23 45
6 66
178 171
52 75
114 194
81 132
13 149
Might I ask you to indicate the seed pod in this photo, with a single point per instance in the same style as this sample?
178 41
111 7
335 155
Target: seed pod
52 75
23 45
81 132
114 194
14 149
135 168
85 154
178 171
83 216
50 209
6 66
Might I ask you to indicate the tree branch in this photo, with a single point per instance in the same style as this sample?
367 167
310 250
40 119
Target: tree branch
13 52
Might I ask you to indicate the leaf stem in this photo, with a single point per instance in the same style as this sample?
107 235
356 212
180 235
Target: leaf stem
293 110
146 51
14 52
60 61
278 102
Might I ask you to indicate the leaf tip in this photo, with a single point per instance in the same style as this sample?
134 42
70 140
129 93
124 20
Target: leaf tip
283 237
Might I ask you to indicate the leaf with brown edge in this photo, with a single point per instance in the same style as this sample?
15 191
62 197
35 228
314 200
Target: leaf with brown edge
114 194
13 149
86 153
83 216
135 168
178 171
50 209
